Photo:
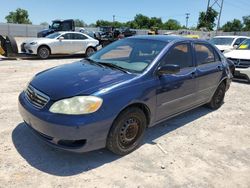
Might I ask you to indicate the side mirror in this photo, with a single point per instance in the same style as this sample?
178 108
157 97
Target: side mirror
60 38
235 46
49 26
168 69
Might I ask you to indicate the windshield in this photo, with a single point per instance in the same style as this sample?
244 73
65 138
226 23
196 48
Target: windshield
133 55
56 25
53 35
245 45
222 41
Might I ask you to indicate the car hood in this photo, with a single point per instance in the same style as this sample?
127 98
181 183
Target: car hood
38 40
224 47
79 78
45 31
238 54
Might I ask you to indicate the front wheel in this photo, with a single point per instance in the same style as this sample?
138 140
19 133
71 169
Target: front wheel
43 52
218 97
127 131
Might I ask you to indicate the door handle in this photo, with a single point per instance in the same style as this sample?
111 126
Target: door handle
219 67
193 74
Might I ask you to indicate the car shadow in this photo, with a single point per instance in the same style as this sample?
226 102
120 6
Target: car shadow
62 163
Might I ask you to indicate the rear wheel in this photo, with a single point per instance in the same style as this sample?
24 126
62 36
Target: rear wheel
43 52
218 97
127 131
89 51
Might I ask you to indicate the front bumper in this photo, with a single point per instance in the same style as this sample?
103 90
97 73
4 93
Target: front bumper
29 49
71 133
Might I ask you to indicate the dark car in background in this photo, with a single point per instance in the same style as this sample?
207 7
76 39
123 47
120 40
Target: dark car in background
110 98
58 25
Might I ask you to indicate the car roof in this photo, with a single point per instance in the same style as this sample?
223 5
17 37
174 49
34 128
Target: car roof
167 38
59 20
64 32
231 36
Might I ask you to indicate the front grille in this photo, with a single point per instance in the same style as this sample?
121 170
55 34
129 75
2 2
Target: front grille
241 63
35 97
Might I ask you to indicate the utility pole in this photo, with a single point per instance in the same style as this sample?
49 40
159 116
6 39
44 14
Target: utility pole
113 18
187 17
216 4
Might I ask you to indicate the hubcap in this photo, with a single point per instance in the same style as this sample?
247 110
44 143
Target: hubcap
129 132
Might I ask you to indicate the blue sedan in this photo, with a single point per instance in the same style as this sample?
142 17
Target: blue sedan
110 98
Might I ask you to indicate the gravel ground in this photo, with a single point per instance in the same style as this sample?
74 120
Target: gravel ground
201 148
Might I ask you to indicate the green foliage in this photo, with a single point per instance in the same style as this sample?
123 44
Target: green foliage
207 19
79 23
172 24
20 16
246 22
234 25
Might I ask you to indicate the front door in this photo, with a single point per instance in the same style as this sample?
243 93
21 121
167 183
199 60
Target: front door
176 92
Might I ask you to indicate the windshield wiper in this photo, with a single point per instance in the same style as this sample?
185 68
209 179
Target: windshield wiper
115 66
91 61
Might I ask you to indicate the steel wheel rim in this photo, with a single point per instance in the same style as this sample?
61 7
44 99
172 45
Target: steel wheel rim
219 97
129 132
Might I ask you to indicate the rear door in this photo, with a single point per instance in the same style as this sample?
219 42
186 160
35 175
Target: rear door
80 43
176 92
209 70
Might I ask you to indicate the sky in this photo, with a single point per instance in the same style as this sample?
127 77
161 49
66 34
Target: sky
124 10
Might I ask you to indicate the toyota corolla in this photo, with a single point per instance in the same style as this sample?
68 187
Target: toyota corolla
110 98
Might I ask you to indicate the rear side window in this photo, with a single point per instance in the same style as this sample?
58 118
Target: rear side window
77 36
179 55
204 54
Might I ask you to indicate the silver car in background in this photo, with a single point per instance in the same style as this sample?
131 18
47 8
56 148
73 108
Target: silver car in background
60 43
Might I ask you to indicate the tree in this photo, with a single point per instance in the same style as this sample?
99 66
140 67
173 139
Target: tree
79 23
246 22
141 21
20 16
172 24
155 22
234 25
207 19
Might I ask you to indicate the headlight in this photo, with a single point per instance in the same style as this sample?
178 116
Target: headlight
77 105
33 43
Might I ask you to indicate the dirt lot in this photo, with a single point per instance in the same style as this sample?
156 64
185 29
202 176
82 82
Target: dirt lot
201 148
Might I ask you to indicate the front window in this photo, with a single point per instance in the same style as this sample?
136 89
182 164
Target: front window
179 55
56 25
134 55
222 41
245 45
204 54
53 35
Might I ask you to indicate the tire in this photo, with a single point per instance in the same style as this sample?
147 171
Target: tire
127 131
89 51
43 52
218 97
